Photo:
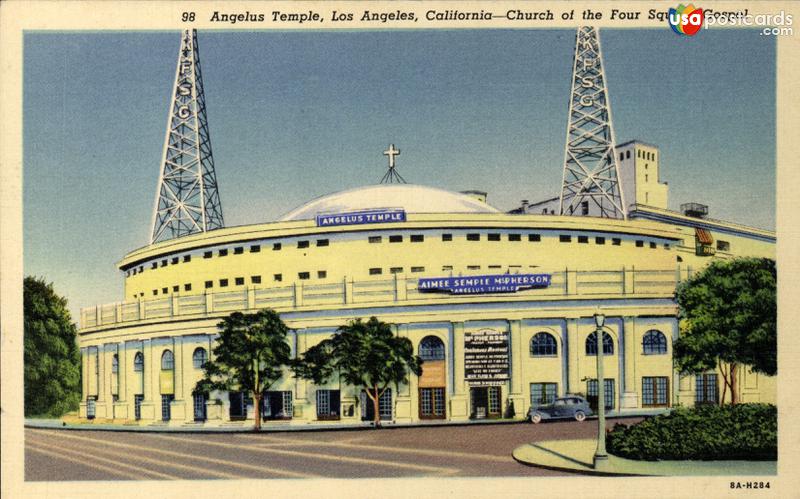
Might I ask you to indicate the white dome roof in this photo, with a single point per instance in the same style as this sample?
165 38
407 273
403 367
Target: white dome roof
411 198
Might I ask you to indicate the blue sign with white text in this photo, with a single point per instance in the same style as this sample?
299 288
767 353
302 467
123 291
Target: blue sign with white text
362 217
502 283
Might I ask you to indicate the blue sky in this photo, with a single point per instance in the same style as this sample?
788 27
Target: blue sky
294 115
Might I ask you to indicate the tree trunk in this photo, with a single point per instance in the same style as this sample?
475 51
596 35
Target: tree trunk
376 408
734 397
257 410
724 384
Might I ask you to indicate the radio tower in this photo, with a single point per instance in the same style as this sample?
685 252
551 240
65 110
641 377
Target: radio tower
187 200
591 183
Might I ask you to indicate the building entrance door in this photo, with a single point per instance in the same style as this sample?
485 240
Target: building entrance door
384 406
238 409
484 402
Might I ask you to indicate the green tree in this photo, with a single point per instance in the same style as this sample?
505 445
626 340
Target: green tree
250 355
728 319
365 355
52 359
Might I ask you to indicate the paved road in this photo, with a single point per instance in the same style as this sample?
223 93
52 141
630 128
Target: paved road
474 450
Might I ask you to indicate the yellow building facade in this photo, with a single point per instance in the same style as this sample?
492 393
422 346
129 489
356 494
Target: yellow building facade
327 263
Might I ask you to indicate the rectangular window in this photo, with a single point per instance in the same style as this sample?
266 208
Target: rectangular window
375 239
303 275
417 269
187 258
447 237
447 268
155 292
328 402
584 207
493 237
616 241
302 244
322 274
137 406
640 244
174 260
591 393
473 237
534 238
141 268
543 393
154 265
277 277
277 405
473 267
163 263
255 279
564 238
238 250
723 245
239 281
600 240
187 287
515 237
495 266
375 271
385 404
199 404
396 270
209 284
256 248
166 413
207 254
652 245
175 289
322 242
666 246
288 407
583 239
223 283
494 400
395 239
654 391
276 246
417 238
164 291
706 389
223 252
431 403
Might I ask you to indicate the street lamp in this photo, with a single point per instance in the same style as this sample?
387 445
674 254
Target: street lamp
600 455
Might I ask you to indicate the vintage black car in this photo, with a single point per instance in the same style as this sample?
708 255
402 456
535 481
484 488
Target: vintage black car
571 406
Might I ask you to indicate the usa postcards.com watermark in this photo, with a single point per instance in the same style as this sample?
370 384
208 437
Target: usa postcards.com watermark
688 19
773 24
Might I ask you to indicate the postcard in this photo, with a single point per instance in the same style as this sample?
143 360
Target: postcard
386 249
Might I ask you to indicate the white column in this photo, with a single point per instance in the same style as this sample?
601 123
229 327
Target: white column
630 397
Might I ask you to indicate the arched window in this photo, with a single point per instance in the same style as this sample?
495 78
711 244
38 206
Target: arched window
431 348
654 342
115 364
543 344
138 362
167 361
591 344
199 357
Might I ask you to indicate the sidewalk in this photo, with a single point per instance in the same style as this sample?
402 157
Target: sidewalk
576 456
73 423
239 427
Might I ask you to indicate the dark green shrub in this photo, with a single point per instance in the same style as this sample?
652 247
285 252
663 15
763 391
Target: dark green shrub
743 431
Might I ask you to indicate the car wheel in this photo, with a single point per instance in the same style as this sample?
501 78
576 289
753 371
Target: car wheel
536 418
580 415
